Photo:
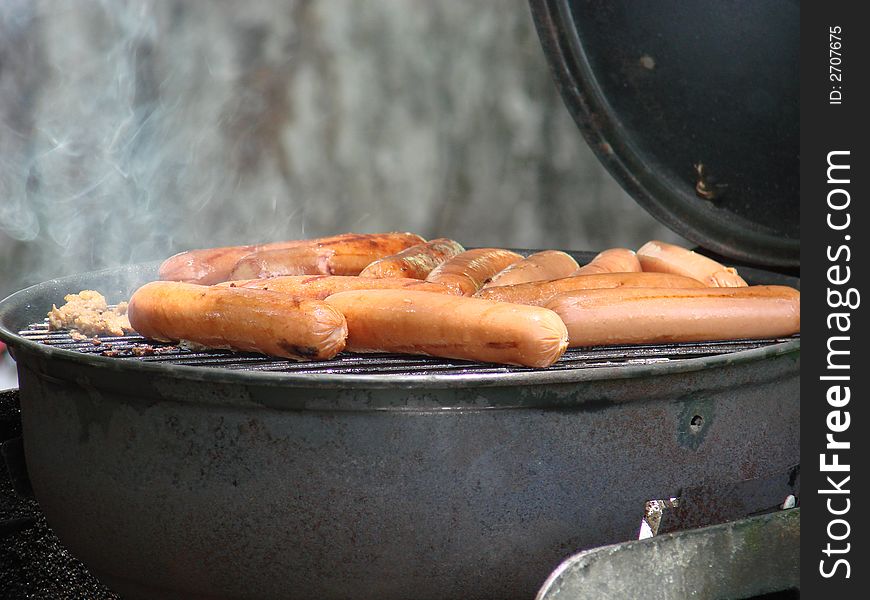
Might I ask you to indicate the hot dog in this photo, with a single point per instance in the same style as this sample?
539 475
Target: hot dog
538 293
614 260
348 256
321 286
646 316
292 261
212 265
451 327
469 271
416 262
204 266
659 257
549 264
238 319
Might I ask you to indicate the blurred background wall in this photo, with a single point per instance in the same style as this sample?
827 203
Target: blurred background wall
130 130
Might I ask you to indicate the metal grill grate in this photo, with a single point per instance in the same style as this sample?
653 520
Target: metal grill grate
135 347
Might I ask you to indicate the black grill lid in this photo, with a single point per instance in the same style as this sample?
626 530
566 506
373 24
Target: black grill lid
694 108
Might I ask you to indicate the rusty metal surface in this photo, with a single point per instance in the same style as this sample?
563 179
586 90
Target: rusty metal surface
718 502
742 559
474 503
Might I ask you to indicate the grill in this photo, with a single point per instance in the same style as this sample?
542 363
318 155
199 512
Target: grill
349 474
178 473
137 348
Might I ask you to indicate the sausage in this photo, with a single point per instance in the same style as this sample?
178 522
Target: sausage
212 265
348 256
647 316
291 261
204 266
321 286
238 319
541 266
614 260
416 262
451 327
538 293
659 257
469 271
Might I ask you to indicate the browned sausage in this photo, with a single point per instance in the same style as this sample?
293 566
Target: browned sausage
289 261
538 293
659 257
321 286
204 266
469 271
348 256
416 262
213 265
614 260
238 319
540 266
646 316
451 327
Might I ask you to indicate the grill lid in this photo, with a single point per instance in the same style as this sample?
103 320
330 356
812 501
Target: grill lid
693 108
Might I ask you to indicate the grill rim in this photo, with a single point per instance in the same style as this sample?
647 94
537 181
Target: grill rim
32 299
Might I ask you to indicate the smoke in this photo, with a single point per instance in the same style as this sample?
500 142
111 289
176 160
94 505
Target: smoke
102 151
132 129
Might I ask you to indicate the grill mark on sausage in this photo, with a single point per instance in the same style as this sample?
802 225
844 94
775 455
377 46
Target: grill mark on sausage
502 345
306 351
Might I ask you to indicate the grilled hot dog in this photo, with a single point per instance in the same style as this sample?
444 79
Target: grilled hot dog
416 262
451 327
346 257
321 286
549 264
238 319
646 316
205 266
660 257
538 293
212 265
469 271
614 260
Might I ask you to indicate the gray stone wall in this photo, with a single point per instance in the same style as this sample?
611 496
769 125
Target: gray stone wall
130 130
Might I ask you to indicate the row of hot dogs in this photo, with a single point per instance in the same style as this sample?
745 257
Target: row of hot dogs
395 292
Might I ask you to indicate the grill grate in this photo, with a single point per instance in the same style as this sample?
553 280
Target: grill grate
135 347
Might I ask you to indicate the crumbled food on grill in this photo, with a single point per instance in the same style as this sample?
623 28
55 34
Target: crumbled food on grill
88 314
80 337
194 347
137 350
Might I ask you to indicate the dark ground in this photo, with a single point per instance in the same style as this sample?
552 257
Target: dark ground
33 563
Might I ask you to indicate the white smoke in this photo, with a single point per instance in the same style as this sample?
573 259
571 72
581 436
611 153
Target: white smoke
132 129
